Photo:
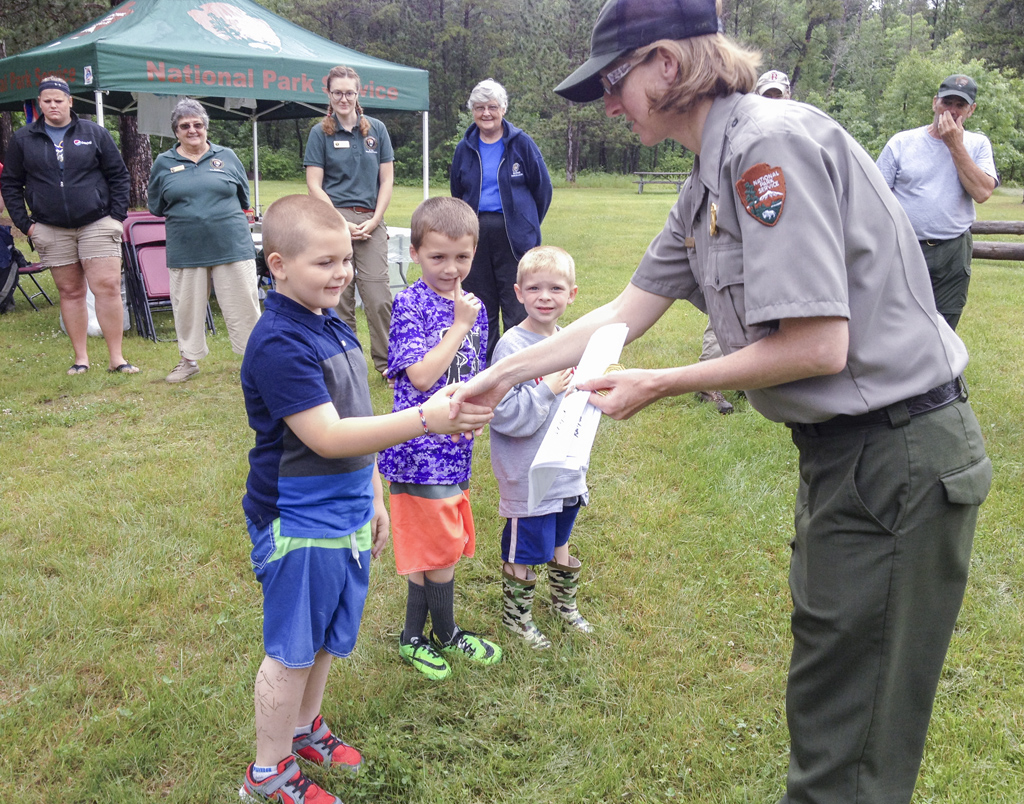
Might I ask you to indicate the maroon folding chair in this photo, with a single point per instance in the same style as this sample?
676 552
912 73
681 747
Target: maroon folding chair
145 250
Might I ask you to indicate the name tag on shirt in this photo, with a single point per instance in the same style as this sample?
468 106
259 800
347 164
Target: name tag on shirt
342 144
177 169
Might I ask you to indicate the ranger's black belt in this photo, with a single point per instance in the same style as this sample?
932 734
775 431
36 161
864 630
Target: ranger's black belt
937 242
898 414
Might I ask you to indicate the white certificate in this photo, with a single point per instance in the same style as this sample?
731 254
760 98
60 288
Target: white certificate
567 444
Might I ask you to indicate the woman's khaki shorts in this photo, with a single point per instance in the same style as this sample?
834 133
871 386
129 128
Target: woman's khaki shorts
57 246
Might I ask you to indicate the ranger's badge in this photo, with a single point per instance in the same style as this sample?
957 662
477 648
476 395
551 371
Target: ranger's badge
762 189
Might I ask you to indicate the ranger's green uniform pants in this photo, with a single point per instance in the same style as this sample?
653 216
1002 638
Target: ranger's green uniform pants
885 519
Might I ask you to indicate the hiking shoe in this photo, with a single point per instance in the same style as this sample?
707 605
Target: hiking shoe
323 748
717 398
474 646
425 658
181 372
287 786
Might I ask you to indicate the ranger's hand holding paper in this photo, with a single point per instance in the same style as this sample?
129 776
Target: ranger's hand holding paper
631 390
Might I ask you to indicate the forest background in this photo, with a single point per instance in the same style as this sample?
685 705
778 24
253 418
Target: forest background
873 65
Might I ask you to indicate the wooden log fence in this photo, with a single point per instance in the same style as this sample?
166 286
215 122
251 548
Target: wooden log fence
993 250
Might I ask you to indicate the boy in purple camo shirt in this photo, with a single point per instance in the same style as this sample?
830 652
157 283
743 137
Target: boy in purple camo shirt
438 337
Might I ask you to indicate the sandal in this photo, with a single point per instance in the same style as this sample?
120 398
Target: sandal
124 368
77 368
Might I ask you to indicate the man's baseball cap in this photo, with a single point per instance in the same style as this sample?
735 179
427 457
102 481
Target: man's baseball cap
962 86
625 25
773 79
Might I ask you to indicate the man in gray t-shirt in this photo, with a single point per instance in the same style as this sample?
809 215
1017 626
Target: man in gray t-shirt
937 172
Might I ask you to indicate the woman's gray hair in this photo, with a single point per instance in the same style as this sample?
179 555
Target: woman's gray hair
189 107
488 90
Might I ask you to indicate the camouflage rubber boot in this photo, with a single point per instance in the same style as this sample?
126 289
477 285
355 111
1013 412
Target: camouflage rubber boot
517 616
565 583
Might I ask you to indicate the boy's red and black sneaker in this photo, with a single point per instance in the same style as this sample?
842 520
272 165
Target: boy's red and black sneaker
321 747
287 786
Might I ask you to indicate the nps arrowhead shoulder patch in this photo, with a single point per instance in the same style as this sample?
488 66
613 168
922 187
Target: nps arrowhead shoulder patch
762 190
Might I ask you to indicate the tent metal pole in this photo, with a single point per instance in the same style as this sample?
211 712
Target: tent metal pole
256 169
426 159
98 95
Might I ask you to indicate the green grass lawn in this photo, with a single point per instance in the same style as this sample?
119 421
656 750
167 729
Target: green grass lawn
130 619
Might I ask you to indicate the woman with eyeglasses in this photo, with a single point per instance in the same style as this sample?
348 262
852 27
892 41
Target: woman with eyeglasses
203 191
350 164
788 236
499 171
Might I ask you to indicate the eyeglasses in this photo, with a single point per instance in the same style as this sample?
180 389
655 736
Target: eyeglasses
348 94
491 108
187 126
610 79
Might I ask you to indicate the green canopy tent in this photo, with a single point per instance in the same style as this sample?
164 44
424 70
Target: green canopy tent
237 58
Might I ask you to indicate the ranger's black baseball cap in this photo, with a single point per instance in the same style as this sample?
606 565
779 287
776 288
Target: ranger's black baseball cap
625 25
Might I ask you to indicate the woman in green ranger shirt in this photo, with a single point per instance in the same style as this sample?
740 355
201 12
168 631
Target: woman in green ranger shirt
202 190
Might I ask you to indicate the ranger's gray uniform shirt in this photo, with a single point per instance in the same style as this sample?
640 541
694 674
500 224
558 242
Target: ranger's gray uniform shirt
805 227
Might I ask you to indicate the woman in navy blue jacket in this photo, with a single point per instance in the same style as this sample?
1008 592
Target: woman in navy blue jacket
69 173
499 171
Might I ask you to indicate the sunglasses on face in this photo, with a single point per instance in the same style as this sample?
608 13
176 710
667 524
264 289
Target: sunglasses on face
187 126
614 77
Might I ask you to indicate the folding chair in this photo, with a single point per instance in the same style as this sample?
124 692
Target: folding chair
149 285
29 270
137 300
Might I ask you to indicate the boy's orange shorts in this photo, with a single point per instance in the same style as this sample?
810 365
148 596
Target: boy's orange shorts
431 526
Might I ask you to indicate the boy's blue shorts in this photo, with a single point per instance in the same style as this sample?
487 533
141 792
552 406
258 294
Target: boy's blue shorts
532 540
314 591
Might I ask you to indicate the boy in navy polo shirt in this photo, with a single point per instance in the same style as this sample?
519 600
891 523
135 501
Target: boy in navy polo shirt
314 501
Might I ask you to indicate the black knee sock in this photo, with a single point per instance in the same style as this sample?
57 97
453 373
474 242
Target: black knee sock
415 613
441 602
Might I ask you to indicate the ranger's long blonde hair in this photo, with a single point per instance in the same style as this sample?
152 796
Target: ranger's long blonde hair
710 66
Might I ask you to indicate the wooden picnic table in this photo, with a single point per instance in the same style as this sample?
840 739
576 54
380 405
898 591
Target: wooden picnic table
650 177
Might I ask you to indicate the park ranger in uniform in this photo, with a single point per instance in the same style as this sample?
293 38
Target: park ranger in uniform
786 235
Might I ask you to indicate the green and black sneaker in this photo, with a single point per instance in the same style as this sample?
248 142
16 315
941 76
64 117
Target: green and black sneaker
425 658
471 645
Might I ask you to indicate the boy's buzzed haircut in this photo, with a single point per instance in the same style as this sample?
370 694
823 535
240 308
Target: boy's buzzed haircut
451 217
547 258
290 220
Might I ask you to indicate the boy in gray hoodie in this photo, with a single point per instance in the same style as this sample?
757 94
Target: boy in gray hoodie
546 285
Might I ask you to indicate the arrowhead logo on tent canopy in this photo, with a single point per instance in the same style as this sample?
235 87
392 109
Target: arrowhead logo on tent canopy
228 22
